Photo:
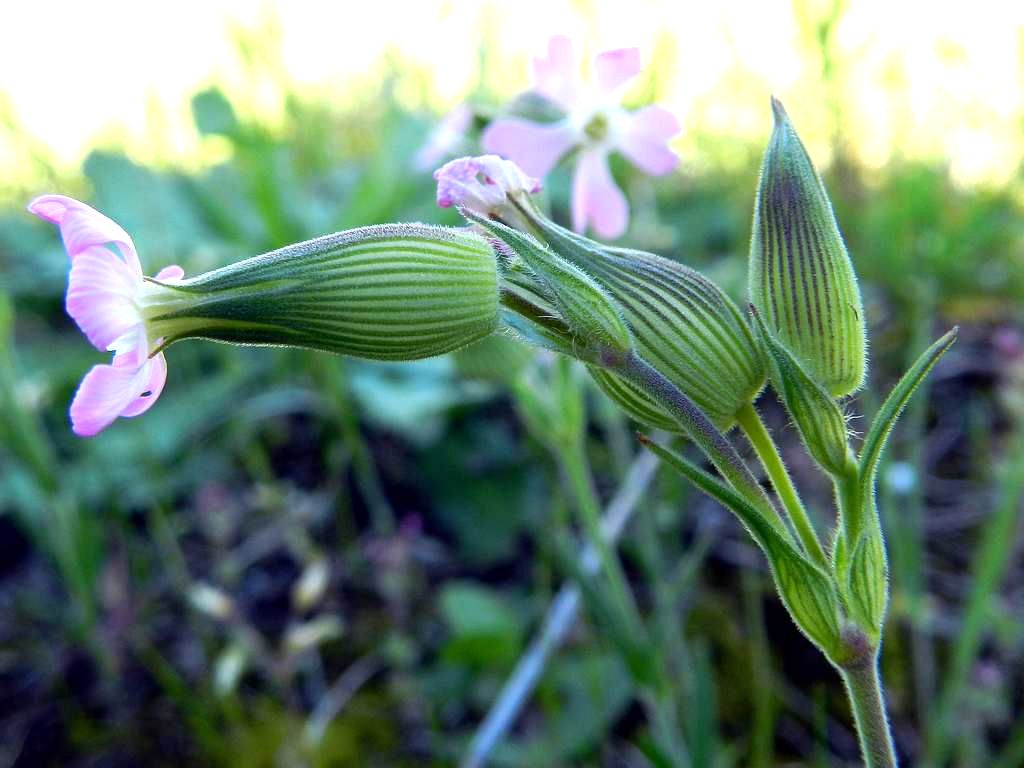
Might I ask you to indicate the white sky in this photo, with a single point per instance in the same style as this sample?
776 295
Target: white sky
943 78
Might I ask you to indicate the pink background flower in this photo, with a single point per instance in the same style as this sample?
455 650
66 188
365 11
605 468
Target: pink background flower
595 123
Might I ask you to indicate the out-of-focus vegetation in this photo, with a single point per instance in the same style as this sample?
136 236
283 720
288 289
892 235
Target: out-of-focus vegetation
300 559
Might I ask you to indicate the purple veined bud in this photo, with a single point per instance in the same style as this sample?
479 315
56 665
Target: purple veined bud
386 292
801 278
682 324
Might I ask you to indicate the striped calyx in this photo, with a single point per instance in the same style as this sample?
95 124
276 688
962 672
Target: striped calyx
598 334
817 416
682 324
801 279
386 292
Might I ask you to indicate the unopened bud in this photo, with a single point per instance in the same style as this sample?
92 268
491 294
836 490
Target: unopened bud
682 324
388 292
801 279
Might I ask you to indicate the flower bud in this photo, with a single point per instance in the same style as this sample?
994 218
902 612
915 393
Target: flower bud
682 324
486 185
816 415
387 292
801 278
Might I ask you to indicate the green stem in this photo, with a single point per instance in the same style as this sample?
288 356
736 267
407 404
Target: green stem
864 689
848 498
699 428
753 427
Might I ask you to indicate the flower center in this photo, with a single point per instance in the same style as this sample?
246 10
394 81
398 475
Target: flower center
596 128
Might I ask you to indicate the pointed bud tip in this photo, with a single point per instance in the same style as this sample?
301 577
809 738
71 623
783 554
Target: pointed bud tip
779 112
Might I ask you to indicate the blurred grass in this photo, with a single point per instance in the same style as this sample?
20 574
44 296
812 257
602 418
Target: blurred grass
437 506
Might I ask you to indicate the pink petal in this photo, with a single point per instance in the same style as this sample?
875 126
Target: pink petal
101 296
170 274
616 68
154 386
534 147
645 140
106 392
555 75
596 200
83 227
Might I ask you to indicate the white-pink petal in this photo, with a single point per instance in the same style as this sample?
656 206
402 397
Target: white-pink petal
534 147
157 366
644 140
554 75
83 227
101 296
615 68
596 199
106 392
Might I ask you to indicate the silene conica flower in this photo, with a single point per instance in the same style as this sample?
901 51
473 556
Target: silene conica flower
387 292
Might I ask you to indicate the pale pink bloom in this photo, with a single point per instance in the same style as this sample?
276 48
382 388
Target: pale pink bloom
596 123
481 184
447 138
105 287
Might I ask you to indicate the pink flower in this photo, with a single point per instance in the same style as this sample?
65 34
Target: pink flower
482 184
105 289
596 124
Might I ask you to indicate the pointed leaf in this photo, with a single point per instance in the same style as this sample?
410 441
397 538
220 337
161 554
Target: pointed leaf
807 592
590 312
818 419
893 406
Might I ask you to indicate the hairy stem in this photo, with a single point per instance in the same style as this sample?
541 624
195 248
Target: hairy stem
703 432
753 427
864 688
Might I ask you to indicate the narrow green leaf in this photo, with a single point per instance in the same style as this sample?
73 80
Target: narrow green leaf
594 317
885 420
807 592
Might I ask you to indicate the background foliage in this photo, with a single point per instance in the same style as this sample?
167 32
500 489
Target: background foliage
297 559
